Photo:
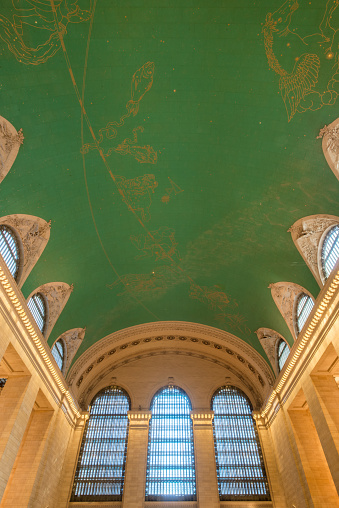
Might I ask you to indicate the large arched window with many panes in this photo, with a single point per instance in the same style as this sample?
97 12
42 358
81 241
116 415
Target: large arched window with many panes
240 467
283 350
304 306
58 352
37 306
9 250
101 464
170 459
330 251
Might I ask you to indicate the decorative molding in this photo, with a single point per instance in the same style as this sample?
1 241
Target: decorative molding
33 234
177 331
284 295
202 418
330 145
72 340
57 295
171 504
269 339
10 142
307 234
29 326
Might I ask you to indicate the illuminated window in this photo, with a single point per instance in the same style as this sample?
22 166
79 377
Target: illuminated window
240 466
330 251
283 352
58 353
170 459
9 249
101 464
304 307
37 306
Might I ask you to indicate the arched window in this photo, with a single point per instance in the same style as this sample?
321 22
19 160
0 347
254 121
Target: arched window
283 352
304 308
9 249
170 459
330 251
37 306
240 467
59 353
101 465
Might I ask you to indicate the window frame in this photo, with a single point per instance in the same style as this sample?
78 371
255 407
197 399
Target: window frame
64 352
242 434
323 239
103 497
45 303
18 244
278 356
298 298
188 454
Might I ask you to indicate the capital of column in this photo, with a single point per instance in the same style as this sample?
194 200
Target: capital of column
201 417
139 418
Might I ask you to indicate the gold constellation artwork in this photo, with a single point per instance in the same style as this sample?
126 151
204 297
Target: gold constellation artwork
142 82
137 193
314 79
160 243
173 190
37 20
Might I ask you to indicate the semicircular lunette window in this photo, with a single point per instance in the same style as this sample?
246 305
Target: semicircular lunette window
9 249
240 466
101 465
37 306
304 307
330 251
283 352
170 458
58 353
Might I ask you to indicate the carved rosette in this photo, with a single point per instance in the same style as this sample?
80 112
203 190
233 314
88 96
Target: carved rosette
330 145
72 340
269 339
307 234
10 142
57 295
32 234
284 295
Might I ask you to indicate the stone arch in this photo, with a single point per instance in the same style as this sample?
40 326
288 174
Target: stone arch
32 234
330 145
72 340
269 339
10 142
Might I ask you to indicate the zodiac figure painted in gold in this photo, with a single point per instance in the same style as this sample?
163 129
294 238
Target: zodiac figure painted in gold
142 81
40 21
156 283
137 193
143 154
160 243
314 80
212 296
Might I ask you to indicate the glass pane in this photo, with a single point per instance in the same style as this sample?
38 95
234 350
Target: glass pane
36 305
58 353
304 307
101 465
9 250
240 467
170 461
283 352
330 251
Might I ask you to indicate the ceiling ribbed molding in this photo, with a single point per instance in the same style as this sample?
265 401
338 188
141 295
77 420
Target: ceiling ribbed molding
308 235
10 142
57 295
72 340
175 336
330 145
269 339
32 234
284 295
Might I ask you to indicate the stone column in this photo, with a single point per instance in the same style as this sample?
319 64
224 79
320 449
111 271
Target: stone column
322 397
135 474
272 471
205 466
70 463
16 403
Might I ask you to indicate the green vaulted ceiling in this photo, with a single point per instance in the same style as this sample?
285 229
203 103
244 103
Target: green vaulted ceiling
172 144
